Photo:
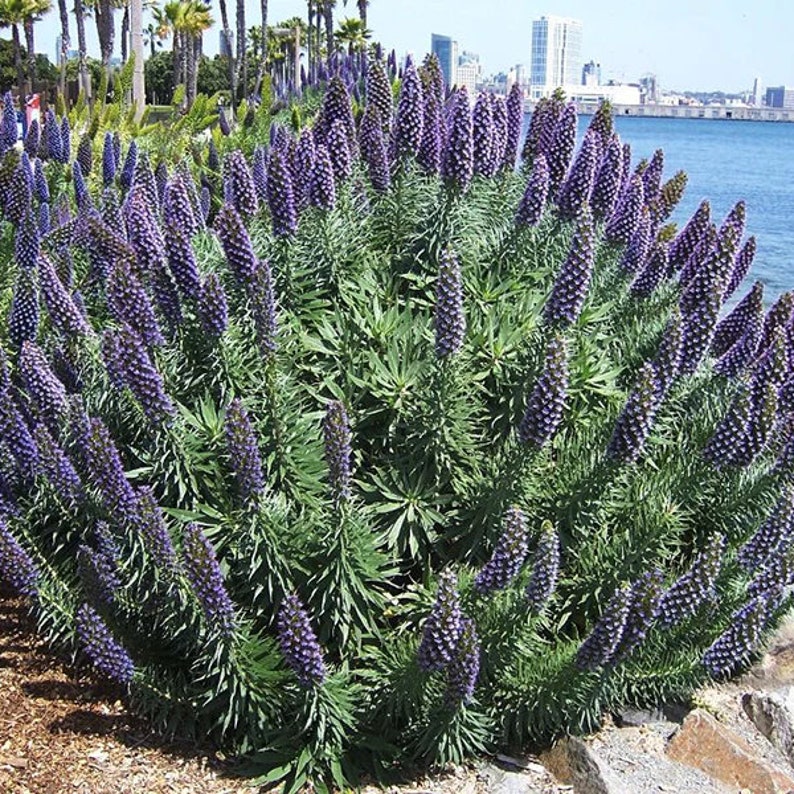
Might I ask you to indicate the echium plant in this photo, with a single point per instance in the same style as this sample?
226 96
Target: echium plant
387 449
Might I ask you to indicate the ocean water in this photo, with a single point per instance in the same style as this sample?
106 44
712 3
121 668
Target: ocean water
727 161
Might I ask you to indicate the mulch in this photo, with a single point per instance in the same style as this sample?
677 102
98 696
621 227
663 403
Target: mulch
63 731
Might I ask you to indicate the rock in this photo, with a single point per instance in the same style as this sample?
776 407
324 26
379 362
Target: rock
501 781
773 715
701 742
668 712
573 762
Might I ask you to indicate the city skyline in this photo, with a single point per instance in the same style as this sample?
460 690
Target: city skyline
718 45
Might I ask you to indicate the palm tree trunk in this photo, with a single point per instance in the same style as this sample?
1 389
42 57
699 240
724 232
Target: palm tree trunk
178 55
328 13
31 47
85 76
103 13
18 58
310 55
125 32
228 36
193 65
136 45
63 12
319 36
242 56
260 73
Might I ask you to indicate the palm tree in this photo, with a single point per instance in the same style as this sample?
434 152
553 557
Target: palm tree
194 21
227 34
352 33
152 39
35 11
82 65
63 12
13 13
328 16
136 42
242 56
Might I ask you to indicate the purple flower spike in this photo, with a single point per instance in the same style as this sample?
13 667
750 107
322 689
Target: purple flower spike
599 648
645 598
66 141
450 318
280 197
128 169
626 217
635 421
223 123
142 378
236 244
530 208
14 432
204 573
259 173
463 670
726 444
143 180
508 555
744 261
339 152
379 93
561 147
775 531
85 155
652 274
573 280
606 186
669 197
143 232
443 627
99 573
213 307
735 221
149 523
52 134
238 177
546 404
740 355
336 107
302 168
44 389
694 588
18 195
299 644
105 653
668 357
108 160
482 133
182 261
337 438
740 640
699 328
685 243
410 112
16 566
515 117
574 195
57 468
322 188
458 161
243 449
263 308
652 176
780 314
62 310
430 151
178 210
545 569
748 312
41 188
636 253
23 319
33 138
129 303
26 243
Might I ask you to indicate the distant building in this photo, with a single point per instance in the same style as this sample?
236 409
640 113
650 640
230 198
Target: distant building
650 89
226 44
780 97
556 54
468 72
755 97
70 53
591 74
446 50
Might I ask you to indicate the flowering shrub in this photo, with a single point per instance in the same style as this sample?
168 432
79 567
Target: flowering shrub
375 443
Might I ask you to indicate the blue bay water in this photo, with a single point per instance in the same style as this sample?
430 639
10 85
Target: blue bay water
727 161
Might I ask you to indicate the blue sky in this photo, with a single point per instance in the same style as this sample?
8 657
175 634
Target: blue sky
696 44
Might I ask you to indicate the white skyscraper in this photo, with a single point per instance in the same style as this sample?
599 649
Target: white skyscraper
556 54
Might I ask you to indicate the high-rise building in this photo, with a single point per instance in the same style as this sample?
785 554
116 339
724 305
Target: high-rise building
556 54
591 74
446 50
755 97
780 97
468 72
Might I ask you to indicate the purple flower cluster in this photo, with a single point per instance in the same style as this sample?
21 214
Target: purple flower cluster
240 184
430 151
178 209
105 653
508 556
16 435
373 150
599 647
204 574
742 265
299 644
482 133
645 598
748 312
687 240
546 404
574 195
742 637
236 244
26 243
148 521
410 114
773 533
182 260
458 161
108 160
726 445
450 319
652 176
128 169
56 466
626 218
280 197
16 566
652 273
322 187
443 627
44 389
464 668
99 573
561 147
337 438
128 303
636 419
243 449
606 186
694 588
699 325
379 93
212 306
530 208
570 289
545 569
63 312
23 319
668 355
